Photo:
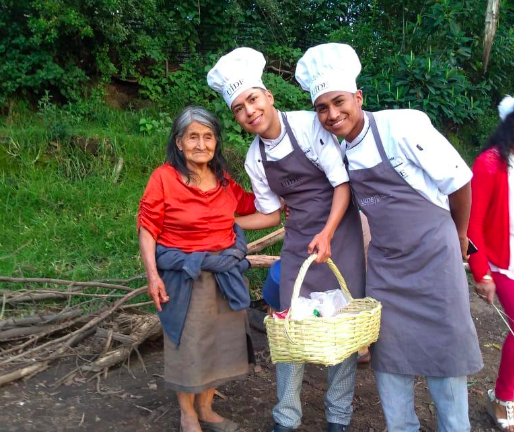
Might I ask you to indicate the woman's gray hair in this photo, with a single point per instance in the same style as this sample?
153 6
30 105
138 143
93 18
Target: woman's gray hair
194 113
175 157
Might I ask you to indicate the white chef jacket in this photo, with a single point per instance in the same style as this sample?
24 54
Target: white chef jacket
320 147
418 152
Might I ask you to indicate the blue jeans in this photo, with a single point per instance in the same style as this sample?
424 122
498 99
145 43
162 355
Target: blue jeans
450 395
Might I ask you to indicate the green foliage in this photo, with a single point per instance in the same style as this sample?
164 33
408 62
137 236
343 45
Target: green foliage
288 97
163 124
409 81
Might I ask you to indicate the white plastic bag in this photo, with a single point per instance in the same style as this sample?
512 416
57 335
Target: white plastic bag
330 302
303 307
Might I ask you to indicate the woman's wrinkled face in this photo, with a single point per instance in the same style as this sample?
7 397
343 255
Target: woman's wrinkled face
197 144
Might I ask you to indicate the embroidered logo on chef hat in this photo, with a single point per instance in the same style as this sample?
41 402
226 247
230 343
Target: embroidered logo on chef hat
236 72
328 67
506 106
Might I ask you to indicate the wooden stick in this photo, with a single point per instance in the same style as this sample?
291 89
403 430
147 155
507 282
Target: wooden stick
71 293
124 281
262 260
39 319
42 334
147 327
21 332
118 337
86 327
267 240
36 298
65 282
23 372
136 305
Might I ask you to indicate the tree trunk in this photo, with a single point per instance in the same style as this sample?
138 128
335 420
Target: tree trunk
491 24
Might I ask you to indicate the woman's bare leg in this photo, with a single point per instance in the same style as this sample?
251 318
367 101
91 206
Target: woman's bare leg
204 407
188 415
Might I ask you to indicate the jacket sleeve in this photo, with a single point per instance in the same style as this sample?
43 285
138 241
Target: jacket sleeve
482 185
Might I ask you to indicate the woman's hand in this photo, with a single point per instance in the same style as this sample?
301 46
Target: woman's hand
321 245
157 291
486 289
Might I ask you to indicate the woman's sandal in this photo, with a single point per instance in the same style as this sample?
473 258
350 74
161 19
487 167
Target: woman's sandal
225 426
501 423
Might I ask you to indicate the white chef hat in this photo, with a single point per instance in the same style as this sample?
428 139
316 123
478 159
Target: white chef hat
506 106
236 72
328 67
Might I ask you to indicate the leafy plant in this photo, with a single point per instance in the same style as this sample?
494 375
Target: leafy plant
163 124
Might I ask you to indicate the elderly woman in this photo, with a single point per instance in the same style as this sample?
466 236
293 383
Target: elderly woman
194 257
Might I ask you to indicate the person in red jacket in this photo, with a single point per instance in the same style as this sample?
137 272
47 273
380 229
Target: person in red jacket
491 229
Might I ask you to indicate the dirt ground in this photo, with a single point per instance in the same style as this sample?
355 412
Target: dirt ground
130 399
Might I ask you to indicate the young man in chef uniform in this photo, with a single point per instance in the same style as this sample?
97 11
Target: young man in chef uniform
294 158
415 190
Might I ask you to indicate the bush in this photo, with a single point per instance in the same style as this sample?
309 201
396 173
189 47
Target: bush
443 92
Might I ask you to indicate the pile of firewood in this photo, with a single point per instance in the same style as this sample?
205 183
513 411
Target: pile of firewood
103 330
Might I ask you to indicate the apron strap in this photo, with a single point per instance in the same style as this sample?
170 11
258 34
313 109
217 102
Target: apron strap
289 132
376 136
261 149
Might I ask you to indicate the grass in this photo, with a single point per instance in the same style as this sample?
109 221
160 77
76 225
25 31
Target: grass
62 215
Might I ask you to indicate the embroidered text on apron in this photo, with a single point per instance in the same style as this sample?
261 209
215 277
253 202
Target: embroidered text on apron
415 270
308 194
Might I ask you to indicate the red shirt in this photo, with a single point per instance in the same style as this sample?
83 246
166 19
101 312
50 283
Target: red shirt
185 217
489 220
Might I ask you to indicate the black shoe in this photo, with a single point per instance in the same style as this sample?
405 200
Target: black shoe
280 428
336 427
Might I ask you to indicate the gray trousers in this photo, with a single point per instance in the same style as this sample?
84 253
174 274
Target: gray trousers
338 399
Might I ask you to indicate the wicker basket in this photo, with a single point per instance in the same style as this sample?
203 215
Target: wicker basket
329 340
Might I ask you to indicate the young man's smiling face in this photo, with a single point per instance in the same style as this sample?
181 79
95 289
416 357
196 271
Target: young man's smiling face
341 113
254 111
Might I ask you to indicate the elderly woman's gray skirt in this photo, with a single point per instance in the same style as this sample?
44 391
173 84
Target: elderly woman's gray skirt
214 347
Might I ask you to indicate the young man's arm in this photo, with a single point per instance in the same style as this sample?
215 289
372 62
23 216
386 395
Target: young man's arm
258 220
460 207
321 242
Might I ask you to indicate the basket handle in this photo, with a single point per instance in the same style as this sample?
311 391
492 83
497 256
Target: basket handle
299 281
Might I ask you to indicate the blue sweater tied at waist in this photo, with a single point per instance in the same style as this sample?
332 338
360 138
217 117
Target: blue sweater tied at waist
179 270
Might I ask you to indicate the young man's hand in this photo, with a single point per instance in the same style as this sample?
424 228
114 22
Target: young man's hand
321 245
284 208
464 244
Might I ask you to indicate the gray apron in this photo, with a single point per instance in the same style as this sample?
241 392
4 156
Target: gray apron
415 270
308 194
